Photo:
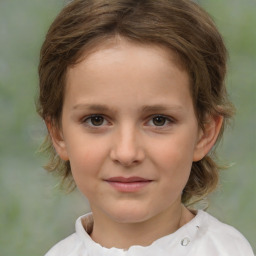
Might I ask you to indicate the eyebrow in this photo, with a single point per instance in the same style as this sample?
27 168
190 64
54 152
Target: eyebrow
144 108
95 107
159 108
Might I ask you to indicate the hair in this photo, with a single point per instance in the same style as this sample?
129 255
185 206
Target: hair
181 26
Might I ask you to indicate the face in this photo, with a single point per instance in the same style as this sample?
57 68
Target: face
129 131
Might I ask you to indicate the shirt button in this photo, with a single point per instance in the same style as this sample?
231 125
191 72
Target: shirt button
185 241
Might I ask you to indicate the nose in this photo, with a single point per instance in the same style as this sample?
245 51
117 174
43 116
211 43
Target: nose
127 149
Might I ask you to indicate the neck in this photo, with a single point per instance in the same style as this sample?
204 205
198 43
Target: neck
124 235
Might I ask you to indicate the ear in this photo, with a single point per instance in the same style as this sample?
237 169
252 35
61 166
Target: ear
57 140
207 137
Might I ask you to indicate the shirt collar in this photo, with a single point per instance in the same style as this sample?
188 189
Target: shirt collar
178 242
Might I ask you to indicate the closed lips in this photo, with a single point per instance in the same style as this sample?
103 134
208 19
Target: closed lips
128 185
127 180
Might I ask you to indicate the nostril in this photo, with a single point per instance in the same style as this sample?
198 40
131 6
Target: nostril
125 159
127 149
128 157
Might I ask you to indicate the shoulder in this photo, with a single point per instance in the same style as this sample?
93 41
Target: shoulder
222 238
65 247
75 243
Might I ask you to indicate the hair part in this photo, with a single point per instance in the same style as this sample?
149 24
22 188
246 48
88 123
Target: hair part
181 26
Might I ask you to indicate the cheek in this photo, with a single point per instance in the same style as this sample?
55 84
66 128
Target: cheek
174 160
176 174
175 152
85 167
86 159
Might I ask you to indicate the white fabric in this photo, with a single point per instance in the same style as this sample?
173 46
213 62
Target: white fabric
202 236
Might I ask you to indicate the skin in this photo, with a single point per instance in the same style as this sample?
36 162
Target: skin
143 126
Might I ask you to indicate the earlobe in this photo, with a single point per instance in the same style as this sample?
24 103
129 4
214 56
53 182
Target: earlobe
207 137
57 140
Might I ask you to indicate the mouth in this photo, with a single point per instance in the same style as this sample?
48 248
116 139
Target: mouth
130 184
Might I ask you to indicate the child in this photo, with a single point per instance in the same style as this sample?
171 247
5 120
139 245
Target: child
133 96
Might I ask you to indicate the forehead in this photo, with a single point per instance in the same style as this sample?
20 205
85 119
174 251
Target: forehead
110 42
129 75
129 54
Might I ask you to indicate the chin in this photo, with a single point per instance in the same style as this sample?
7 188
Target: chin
131 215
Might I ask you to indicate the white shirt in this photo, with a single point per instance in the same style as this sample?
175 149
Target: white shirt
202 236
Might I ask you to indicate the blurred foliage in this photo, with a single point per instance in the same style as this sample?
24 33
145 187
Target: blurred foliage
34 214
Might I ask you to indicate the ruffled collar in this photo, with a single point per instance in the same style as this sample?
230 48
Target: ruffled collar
178 243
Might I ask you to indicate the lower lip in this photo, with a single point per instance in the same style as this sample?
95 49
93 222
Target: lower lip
129 186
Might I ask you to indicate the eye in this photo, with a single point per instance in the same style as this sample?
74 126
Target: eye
95 120
159 121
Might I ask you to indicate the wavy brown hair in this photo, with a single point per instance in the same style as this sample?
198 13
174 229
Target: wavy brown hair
179 25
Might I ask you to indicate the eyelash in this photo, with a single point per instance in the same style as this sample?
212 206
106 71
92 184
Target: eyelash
88 121
167 121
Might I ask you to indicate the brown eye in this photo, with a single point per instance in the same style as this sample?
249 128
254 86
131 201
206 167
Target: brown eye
159 120
97 120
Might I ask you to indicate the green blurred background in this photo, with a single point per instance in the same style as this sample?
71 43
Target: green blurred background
34 214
